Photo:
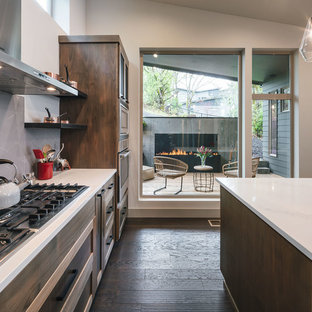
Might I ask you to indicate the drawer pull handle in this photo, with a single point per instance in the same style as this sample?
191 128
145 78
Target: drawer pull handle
71 279
108 242
109 210
111 186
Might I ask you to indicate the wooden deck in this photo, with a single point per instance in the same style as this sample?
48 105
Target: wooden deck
188 186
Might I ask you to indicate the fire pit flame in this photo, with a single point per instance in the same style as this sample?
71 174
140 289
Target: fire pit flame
176 152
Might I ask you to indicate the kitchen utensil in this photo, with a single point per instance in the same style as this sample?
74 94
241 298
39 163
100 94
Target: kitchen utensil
38 154
53 75
45 170
46 148
9 191
59 153
49 119
60 116
73 84
50 155
67 75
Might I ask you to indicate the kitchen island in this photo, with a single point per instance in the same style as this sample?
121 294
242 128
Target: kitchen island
266 243
64 245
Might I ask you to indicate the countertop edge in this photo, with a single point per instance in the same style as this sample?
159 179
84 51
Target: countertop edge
291 240
49 231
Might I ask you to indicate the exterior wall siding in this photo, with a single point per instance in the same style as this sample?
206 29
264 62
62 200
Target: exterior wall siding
280 164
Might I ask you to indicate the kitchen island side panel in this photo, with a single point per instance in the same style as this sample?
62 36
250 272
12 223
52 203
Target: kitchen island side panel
262 270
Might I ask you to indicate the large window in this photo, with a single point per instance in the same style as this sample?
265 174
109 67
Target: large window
58 10
272 114
189 101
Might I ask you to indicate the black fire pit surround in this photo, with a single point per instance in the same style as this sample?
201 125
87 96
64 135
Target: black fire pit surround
188 143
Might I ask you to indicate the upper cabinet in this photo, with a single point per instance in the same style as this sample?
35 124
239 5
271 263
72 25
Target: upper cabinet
100 65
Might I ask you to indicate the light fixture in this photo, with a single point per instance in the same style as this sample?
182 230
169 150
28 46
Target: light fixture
306 43
51 89
0 66
155 55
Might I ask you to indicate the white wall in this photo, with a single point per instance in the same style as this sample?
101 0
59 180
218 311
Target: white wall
144 24
39 38
77 24
40 49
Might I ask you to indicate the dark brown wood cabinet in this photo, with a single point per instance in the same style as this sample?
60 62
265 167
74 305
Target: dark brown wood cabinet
60 274
104 229
100 66
262 270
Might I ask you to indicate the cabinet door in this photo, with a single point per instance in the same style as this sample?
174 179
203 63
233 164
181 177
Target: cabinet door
122 77
32 287
71 284
98 251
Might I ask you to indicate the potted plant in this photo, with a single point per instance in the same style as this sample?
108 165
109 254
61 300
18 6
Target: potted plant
203 152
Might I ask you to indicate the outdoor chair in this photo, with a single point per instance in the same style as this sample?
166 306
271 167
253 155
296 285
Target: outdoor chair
231 169
169 168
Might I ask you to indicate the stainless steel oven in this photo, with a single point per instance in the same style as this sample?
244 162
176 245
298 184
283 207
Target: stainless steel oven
123 173
123 169
123 177
123 119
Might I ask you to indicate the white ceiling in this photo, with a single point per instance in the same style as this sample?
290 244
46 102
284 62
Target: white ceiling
295 12
264 67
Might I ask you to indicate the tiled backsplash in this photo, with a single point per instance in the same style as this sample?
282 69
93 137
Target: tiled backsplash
16 142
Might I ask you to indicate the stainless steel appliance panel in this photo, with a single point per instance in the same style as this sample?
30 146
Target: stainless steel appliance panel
121 215
124 120
123 173
10 27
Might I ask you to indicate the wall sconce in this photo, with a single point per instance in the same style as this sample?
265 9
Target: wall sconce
306 43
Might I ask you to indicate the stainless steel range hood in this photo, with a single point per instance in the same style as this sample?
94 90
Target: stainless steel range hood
10 27
15 76
19 78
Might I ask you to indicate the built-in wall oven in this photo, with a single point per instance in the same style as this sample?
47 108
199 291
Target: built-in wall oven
123 169
123 172
124 118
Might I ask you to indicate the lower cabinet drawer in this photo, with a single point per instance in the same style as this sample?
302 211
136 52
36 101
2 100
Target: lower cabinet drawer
109 190
32 287
85 300
71 283
109 241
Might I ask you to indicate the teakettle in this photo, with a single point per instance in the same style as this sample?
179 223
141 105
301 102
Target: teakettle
10 193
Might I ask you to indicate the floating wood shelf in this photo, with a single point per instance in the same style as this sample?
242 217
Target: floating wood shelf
54 126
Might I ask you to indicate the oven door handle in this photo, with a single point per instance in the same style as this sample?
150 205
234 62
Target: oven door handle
124 155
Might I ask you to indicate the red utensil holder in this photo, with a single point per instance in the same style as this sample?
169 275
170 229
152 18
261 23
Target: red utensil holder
45 170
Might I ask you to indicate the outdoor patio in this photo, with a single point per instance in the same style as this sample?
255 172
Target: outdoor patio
150 186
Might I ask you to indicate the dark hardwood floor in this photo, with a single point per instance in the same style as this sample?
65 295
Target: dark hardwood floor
163 265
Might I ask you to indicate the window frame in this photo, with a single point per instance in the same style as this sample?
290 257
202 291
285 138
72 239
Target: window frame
271 103
144 51
281 97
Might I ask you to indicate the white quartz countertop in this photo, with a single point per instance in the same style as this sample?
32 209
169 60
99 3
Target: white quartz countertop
284 204
14 263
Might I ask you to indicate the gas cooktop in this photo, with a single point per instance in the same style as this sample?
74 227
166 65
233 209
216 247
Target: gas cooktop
39 203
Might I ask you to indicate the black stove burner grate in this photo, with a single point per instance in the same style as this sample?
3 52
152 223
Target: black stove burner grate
39 203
